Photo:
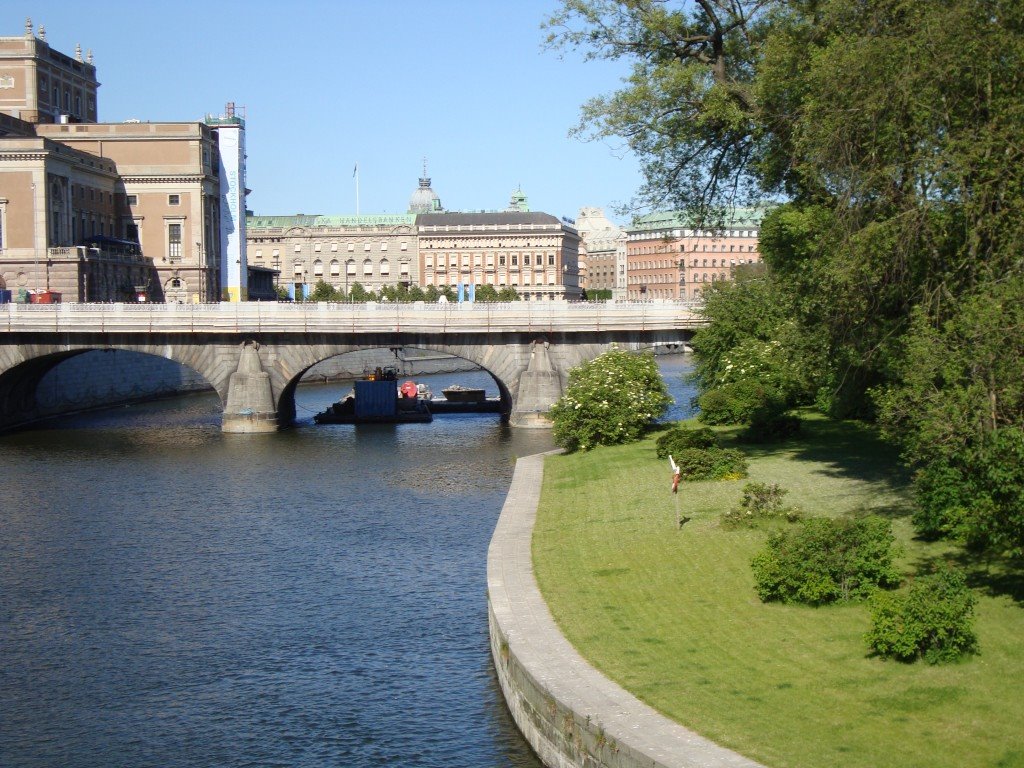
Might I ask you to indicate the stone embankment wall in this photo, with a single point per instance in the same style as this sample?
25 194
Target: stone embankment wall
571 715
110 377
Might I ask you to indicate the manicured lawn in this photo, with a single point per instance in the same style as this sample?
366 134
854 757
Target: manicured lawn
671 614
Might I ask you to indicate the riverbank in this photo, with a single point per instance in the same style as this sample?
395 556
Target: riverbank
671 614
569 712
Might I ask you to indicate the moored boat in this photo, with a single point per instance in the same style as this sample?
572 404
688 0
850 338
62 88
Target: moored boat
459 394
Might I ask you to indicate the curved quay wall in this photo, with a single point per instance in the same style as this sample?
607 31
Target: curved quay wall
572 716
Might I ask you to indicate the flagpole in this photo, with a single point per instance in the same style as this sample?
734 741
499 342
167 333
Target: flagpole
355 173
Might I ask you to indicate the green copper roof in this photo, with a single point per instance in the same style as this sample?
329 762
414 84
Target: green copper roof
367 220
740 217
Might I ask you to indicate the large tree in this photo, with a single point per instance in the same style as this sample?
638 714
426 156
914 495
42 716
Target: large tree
893 131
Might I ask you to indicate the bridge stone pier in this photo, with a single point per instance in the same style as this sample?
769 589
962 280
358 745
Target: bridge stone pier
254 355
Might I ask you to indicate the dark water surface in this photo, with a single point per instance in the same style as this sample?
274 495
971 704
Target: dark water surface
174 596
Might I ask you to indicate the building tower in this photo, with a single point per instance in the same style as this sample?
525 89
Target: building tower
425 199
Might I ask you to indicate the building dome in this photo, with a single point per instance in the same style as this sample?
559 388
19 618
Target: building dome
424 199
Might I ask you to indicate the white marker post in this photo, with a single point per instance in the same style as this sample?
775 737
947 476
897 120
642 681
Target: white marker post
675 488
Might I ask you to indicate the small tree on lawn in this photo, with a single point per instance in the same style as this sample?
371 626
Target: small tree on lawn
611 399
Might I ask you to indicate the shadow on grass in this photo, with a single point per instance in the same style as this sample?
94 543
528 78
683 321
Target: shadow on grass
846 449
993 575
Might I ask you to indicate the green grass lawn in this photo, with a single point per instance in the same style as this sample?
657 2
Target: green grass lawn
671 614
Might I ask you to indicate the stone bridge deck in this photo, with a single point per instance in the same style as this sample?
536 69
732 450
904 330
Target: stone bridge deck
254 354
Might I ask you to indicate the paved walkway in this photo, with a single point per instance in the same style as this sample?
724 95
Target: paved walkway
644 737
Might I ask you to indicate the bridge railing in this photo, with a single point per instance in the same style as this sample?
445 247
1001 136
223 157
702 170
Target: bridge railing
417 317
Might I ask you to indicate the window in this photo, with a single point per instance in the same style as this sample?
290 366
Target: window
318 268
335 268
316 247
367 266
276 254
334 247
405 246
526 260
350 267
298 248
298 268
383 246
132 199
551 259
171 199
366 246
404 268
351 247
173 242
385 268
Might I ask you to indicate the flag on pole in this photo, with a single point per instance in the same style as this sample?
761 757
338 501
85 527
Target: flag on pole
675 473
355 170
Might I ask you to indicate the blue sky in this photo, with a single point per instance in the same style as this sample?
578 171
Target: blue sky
465 83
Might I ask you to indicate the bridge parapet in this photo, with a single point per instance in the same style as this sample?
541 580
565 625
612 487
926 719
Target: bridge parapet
417 317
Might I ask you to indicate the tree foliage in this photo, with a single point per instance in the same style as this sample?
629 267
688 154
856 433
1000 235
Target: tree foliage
611 399
892 129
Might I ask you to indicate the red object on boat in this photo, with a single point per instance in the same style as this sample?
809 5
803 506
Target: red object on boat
408 389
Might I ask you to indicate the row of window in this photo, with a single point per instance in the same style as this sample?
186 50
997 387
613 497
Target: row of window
72 102
384 268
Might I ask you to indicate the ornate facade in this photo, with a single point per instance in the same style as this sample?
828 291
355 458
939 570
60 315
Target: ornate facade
103 211
603 251
668 259
372 250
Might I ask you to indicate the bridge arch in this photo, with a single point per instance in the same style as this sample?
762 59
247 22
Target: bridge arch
285 399
28 394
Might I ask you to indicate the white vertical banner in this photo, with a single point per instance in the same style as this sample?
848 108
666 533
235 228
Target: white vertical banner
233 262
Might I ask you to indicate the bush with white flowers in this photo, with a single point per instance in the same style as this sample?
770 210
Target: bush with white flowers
611 399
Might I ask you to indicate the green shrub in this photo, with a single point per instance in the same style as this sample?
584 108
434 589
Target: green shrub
609 400
767 427
826 560
711 464
933 620
680 437
738 402
760 501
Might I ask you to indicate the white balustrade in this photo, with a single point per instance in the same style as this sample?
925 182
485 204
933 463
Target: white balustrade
418 317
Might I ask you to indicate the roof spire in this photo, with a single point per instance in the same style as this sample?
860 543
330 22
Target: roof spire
28 26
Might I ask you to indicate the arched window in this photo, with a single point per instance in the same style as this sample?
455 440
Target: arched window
318 268
335 268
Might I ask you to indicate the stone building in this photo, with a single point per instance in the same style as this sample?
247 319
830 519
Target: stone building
603 250
669 259
534 252
373 250
106 211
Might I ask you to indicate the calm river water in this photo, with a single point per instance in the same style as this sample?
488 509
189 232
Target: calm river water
174 596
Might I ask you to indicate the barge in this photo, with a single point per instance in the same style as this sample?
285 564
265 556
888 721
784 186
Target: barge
377 399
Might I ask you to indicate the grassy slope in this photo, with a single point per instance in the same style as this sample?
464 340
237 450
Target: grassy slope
672 614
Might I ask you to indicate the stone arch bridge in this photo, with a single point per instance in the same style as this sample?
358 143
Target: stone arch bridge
254 354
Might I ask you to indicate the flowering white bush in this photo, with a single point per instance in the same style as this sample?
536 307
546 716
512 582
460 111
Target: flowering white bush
610 399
